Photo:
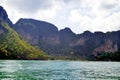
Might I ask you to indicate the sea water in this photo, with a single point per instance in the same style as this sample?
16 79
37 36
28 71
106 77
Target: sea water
58 70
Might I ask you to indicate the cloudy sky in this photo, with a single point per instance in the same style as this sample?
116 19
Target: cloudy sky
79 15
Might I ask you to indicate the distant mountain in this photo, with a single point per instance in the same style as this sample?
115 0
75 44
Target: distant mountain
4 16
61 44
92 44
66 43
13 47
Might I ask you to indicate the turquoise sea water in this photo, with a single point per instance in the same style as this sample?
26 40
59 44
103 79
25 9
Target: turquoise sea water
58 70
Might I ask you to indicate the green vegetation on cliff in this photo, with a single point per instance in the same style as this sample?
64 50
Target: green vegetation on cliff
109 56
12 47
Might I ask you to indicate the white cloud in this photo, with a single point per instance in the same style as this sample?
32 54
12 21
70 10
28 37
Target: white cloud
98 19
48 13
79 15
105 24
75 16
17 10
30 6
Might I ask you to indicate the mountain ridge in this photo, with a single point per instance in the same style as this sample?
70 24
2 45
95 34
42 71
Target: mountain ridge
12 46
64 42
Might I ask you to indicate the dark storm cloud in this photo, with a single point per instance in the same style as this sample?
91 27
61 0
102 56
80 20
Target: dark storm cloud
30 5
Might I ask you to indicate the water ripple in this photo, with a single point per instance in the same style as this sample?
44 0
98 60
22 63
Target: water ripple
58 70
